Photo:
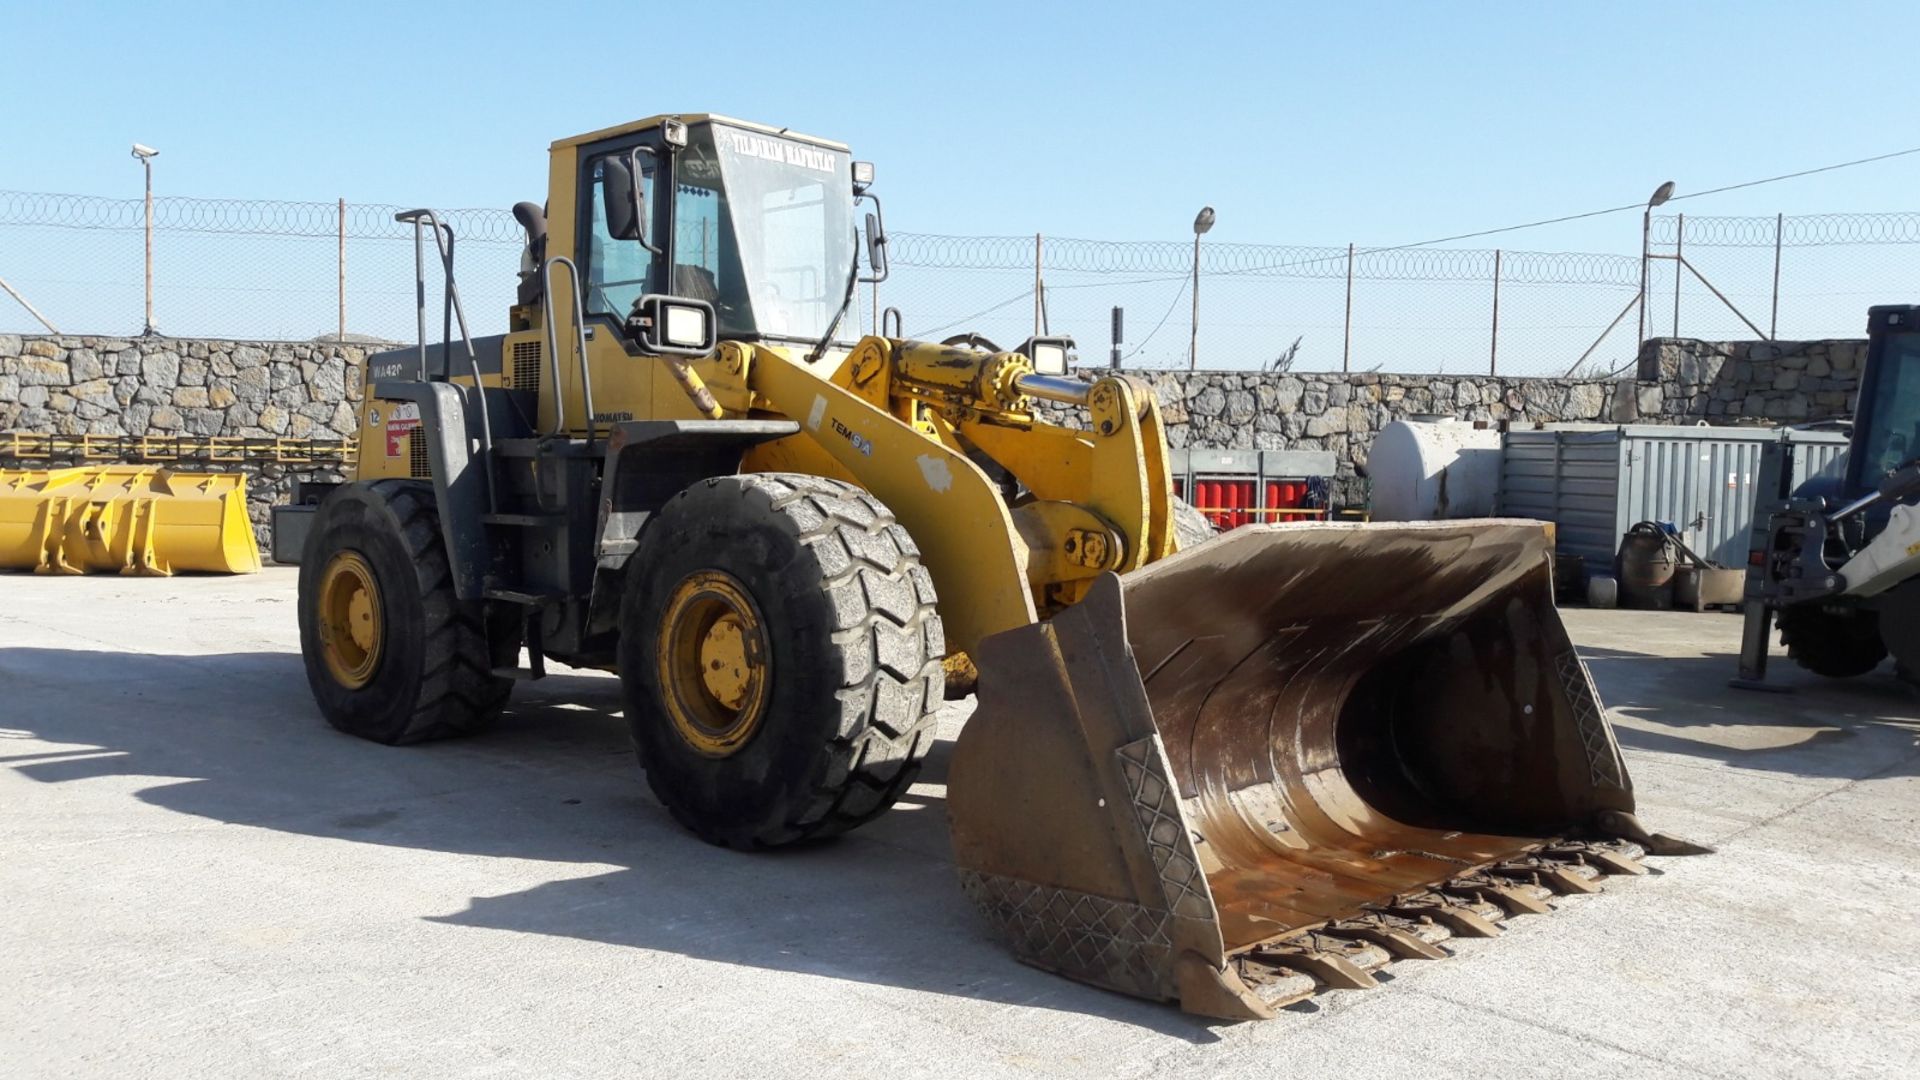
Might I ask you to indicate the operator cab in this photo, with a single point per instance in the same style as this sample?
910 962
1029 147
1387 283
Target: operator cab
1887 421
757 222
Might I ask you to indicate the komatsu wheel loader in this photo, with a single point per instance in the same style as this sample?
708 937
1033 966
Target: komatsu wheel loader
1225 777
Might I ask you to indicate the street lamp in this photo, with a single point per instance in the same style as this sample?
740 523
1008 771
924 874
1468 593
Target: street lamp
1201 223
1660 195
146 154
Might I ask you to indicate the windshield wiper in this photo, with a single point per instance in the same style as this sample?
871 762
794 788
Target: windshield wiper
853 279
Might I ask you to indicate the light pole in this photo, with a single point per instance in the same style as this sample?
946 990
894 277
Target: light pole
1201 223
1660 195
146 154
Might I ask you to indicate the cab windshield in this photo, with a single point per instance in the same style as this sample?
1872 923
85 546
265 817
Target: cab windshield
1893 434
764 230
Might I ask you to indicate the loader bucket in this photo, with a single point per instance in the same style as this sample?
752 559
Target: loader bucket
128 519
1271 763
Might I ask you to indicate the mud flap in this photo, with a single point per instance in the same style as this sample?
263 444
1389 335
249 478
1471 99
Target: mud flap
1274 761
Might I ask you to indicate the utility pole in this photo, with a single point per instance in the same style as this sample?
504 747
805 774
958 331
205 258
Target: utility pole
1039 295
146 154
1660 194
1201 223
341 238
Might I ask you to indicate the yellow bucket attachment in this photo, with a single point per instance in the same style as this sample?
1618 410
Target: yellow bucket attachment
129 519
1274 762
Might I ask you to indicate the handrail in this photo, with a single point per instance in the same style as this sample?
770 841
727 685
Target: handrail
553 345
450 310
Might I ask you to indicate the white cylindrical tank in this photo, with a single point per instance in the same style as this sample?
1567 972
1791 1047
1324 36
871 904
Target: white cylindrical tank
1431 470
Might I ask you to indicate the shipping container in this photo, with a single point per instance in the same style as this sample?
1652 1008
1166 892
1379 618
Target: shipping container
1595 482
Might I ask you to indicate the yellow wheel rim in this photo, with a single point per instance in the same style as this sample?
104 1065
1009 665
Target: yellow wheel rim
351 634
713 663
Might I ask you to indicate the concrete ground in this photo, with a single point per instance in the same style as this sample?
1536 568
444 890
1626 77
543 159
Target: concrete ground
200 878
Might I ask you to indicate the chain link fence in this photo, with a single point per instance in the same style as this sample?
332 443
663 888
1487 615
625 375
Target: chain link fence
1808 276
243 268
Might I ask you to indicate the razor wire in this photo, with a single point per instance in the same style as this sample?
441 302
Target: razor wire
239 267
1802 230
248 217
1172 260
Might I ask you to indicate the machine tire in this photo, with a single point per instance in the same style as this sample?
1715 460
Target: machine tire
852 645
1836 645
432 676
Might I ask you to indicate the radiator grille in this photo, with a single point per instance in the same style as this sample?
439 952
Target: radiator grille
418 465
526 365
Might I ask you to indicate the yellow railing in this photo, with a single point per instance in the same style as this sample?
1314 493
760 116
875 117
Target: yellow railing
28 446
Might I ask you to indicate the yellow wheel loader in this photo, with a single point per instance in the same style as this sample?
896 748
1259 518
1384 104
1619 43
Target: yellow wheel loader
1225 777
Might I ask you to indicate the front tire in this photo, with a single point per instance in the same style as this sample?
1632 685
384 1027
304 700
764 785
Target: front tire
780 654
1838 645
392 655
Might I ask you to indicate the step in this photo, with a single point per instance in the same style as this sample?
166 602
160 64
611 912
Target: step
528 521
521 596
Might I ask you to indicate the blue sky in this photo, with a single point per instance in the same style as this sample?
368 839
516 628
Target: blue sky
1312 123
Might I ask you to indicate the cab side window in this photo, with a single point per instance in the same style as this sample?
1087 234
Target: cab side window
618 271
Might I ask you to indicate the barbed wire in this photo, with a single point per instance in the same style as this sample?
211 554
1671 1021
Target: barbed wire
486 225
1803 230
247 217
1172 260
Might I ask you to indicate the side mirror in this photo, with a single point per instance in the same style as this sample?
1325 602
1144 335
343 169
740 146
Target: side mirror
1050 355
673 325
624 197
876 248
876 239
625 204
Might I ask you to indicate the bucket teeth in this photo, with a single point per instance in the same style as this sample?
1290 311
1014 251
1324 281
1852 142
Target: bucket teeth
1562 878
1275 986
1335 967
1612 862
1614 858
1393 934
1513 899
1455 914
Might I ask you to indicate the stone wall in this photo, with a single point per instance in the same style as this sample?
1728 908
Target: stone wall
140 386
173 386
1343 412
1682 382
1738 382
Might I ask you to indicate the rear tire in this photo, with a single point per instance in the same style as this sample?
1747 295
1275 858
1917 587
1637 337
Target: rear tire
841 654
424 671
1834 644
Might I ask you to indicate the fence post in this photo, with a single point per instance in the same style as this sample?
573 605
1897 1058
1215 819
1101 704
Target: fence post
1773 325
1493 347
340 216
1346 338
1036 285
1119 335
1679 236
